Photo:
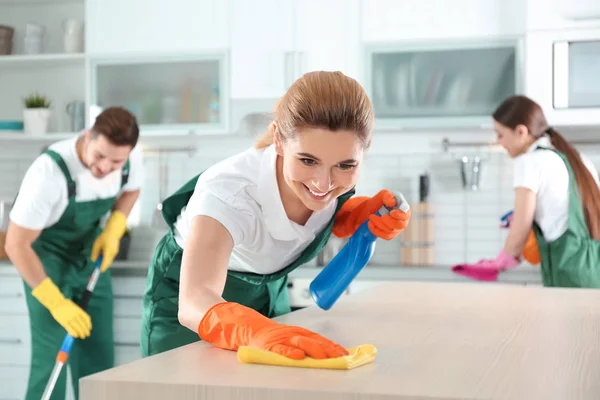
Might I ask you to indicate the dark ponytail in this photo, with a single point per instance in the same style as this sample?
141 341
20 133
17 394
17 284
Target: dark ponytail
520 110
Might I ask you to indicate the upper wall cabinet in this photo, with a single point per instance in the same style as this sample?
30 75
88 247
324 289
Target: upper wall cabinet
327 36
273 42
168 94
563 75
393 20
262 48
562 14
441 85
156 26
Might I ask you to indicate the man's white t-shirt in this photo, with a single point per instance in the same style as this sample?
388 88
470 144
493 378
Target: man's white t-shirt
545 173
43 195
242 193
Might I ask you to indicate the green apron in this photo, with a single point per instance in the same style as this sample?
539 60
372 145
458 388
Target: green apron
64 249
572 260
267 294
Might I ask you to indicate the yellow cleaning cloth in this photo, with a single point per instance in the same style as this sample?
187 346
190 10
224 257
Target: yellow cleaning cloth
358 356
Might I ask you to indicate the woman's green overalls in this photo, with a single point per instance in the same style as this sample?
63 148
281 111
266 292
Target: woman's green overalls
572 260
267 294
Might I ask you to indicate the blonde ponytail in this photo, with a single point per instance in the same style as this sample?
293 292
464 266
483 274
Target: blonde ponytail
267 138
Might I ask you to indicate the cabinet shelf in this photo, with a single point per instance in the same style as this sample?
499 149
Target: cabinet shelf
26 60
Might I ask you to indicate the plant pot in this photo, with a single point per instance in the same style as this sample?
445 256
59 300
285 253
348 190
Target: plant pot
123 248
35 121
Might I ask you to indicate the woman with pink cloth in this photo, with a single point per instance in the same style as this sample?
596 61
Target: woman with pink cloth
556 218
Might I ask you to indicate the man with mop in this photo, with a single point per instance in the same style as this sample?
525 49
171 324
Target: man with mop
54 237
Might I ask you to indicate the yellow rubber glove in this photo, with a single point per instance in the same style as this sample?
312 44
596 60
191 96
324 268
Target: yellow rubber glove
68 314
357 357
109 240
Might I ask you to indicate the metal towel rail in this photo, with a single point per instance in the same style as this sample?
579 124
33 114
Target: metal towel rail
446 144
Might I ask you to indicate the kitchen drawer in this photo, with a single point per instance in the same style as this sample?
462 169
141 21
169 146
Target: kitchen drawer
129 286
11 285
15 340
128 307
12 296
125 354
127 331
13 382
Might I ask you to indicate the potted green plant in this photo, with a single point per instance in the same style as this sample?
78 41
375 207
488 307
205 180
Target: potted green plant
36 114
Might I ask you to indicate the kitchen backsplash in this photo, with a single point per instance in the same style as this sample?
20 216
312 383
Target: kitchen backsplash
466 222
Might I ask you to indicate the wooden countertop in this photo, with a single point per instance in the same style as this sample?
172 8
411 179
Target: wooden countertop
434 340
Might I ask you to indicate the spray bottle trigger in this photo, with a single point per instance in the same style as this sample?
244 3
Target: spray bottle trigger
401 204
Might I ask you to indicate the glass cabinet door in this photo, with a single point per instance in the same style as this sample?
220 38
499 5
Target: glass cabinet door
576 81
185 94
442 85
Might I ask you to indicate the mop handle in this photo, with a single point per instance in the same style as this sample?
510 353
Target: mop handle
65 348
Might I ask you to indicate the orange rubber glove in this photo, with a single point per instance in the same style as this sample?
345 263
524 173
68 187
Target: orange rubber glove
531 252
231 325
357 210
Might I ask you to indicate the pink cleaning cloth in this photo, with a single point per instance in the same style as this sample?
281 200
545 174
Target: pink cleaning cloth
487 270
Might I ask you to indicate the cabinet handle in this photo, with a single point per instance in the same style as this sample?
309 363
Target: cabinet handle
127 344
300 64
11 341
289 67
18 294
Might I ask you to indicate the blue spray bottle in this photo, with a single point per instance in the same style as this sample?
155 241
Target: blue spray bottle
336 276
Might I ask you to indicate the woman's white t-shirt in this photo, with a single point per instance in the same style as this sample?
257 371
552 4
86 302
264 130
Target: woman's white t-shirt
241 192
546 174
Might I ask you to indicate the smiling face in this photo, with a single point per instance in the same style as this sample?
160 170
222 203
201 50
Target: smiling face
101 156
319 165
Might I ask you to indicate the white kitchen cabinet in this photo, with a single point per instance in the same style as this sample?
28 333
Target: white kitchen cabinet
15 338
174 94
274 42
327 36
262 48
562 75
559 15
440 85
156 26
393 21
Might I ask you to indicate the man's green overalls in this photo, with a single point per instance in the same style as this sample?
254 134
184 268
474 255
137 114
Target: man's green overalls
572 260
64 250
267 294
